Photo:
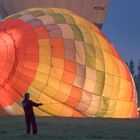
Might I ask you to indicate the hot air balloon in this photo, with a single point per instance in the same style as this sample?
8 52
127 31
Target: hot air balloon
64 62
93 10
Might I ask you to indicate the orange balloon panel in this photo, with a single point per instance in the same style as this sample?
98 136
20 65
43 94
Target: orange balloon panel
66 63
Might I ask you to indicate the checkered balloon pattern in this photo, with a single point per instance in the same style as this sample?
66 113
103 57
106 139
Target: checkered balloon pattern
64 62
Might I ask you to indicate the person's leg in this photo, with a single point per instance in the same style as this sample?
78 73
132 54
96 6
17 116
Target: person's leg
34 125
28 125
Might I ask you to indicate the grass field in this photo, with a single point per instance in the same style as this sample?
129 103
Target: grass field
55 128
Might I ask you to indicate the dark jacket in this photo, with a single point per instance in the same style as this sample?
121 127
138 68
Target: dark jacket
28 107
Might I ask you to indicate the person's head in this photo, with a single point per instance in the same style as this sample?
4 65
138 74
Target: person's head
26 96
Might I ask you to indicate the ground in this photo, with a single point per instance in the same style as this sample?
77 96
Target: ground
59 128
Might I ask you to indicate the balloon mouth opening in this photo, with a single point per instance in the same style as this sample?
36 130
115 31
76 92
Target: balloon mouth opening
7 57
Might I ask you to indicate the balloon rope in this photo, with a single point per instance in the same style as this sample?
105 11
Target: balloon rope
84 101
69 102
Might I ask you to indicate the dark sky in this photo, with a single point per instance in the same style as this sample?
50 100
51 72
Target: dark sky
122 27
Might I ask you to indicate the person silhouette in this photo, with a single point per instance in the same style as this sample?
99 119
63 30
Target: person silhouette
29 113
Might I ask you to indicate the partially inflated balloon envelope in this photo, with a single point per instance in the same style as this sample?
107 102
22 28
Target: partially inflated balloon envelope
64 62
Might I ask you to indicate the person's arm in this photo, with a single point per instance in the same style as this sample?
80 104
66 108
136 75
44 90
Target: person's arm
35 104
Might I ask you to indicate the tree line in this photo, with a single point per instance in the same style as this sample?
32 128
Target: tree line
135 71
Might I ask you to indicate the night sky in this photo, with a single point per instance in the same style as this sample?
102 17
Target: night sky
122 27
